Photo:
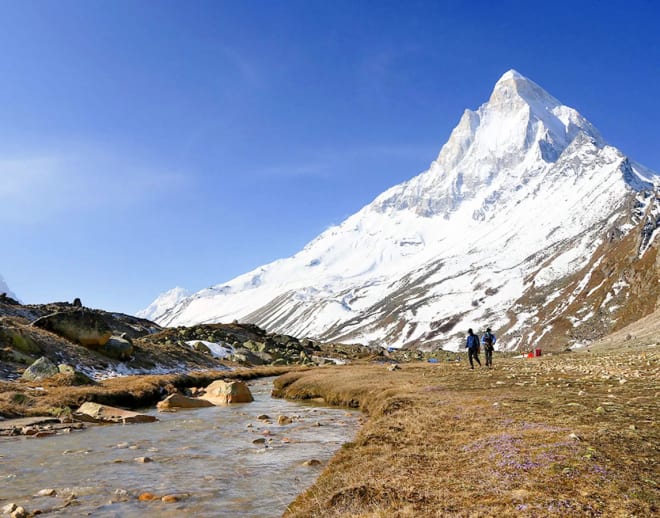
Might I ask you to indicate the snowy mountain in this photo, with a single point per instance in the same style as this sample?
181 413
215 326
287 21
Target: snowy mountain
5 289
163 303
527 222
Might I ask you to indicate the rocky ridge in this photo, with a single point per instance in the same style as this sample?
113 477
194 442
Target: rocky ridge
87 344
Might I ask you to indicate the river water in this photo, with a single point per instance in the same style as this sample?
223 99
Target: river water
207 458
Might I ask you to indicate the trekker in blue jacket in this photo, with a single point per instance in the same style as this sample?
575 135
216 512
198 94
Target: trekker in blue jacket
488 339
472 345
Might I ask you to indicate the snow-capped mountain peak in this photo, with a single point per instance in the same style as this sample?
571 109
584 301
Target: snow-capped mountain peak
519 198
162 303
521 124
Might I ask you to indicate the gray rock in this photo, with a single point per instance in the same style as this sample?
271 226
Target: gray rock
246 356
264 356
117 348
40 369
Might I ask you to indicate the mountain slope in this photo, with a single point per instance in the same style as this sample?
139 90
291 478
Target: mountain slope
162 303
523 202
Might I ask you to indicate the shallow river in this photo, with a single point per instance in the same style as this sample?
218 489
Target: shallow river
206 457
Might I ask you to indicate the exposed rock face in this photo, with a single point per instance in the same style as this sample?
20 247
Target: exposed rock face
144 346
81 326
96 413
174 401
40 369
225 392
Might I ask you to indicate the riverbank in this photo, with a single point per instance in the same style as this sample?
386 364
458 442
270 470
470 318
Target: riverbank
573 434
59 395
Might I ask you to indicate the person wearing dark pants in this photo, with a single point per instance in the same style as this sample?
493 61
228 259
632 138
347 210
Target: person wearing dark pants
489 346
472 345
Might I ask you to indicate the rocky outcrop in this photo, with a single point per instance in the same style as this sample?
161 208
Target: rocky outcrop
58 331
82 326
96 413
176 401
226 392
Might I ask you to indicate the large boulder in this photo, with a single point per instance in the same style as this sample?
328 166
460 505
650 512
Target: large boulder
40 369
81 326
174 401
225 392
96 413
118 348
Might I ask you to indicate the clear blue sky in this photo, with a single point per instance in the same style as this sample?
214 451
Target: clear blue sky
145 145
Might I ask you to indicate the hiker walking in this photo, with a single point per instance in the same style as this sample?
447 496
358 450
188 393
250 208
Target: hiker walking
488 339
472 345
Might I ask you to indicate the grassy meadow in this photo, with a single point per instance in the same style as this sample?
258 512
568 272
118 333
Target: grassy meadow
572 434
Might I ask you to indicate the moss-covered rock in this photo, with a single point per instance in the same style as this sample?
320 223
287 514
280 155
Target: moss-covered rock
40 369
24 343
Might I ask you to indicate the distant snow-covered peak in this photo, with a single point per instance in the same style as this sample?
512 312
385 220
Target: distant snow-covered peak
163 302
5 289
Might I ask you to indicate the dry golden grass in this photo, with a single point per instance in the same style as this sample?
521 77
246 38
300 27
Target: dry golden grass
57 394
567 435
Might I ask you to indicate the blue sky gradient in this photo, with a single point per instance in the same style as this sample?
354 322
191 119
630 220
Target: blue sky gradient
146 145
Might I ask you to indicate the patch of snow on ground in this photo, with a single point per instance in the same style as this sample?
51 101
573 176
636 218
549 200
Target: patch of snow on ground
596 288
587 316
577 345
218 350
558 268
619 285
120 370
